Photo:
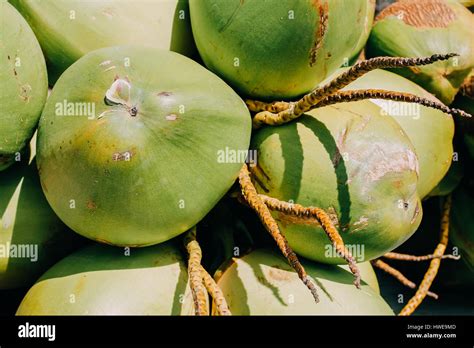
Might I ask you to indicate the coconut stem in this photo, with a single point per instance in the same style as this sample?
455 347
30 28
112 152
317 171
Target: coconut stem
216 293
407 257
355 95
430 274
195 273
275 107
325 221
255 202
398 275
294 110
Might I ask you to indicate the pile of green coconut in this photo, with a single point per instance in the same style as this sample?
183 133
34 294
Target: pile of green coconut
211 157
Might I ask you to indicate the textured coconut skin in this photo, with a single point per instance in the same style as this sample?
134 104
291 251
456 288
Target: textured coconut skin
426 28
430 131
262 283
348 160
102 23
172 177
103 280
279 57
24 85
27 219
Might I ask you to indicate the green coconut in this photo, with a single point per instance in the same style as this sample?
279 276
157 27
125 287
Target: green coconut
262 283
278 48
68 29
24 84
32 237
364 36
412 28
350 161
430 131
104 280
451 180
135 154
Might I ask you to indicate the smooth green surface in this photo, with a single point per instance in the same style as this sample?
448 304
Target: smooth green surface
391 36
104 280
350 161
68 29
430 131
140 180
32 237
451 180
263 283
24 83
364 36
269 49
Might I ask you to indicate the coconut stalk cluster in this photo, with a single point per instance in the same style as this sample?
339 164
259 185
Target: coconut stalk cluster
194 159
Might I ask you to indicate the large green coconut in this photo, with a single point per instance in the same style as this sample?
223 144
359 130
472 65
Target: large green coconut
277 48
430 131
68 29
135 154
104 280
24 84
262 283
413 28
32 237
352 162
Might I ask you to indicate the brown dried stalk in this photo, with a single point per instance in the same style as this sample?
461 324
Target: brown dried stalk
257 106
407 257
198 290
430 274
398 275
306 103
216 293
255 202
324 220
362 94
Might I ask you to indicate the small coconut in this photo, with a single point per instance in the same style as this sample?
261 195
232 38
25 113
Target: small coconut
262 283
417 28
104 280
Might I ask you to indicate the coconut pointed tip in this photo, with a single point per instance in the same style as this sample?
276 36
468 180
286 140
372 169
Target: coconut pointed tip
461 113
444 56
